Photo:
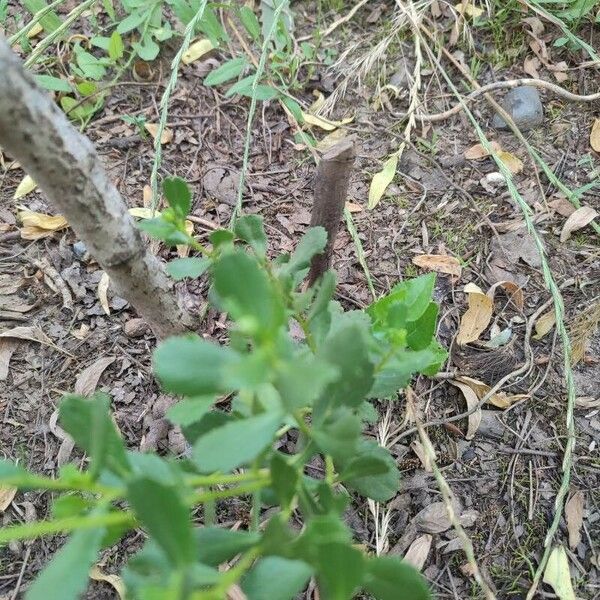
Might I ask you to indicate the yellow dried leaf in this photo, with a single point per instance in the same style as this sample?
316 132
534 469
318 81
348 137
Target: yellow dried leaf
316 106
147 195
143 213
440 263
512 163
34 31
196 50
478 151
26 186
477 317
578 220
34 233
7 493
544 324
183 250
557 574
103 292
98 575
595 136
324 123
352 207
42 221
499 399
471 398
381 180
512 289
152 129
417 553
469 9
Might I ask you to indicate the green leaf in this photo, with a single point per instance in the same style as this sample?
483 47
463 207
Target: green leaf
276 578
192 366
250 228
109 8
178 195
294 108
222 239
311 243
340 569
87 88
90 66
339 435
50 22
210 25
346 350
132 21
381 485
190 410
388 578
217 545
250 22
88 422
115 46
54 84
160 229
67 575
284 479
236 443
147 49
152 502
249 299
245 87
226 72
193 267
422 331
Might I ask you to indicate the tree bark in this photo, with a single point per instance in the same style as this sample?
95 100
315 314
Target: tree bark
66 167
331 187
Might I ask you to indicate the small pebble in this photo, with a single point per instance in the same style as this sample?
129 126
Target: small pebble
135 328
80 251
523 104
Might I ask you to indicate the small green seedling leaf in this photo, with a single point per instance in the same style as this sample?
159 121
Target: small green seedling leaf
226 72
250 228
178 195
160 229
54 84
115 46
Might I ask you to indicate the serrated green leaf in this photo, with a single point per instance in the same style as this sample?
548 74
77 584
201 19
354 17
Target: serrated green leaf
66 577
236 443
152 501
54 84
226 72
191 266
192 366
178 195
217 545
88 422
250 228
388 578
276 578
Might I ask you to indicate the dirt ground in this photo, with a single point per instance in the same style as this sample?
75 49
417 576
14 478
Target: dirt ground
506 477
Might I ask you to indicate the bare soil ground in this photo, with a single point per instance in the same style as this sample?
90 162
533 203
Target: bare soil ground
505 479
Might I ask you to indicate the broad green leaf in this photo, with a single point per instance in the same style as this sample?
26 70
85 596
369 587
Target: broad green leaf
54 84
388 578
210 25
222 239
418 295
152 466
245 87
69 506
294 108
115 46
557 574
422 331
160 229
217 545
236 443
248 295
311 243
192 366
250 22
147 49
380 486
49 22
190 410
66 577
109 8
320 530
87 88
226 72
340 570
211 420
191 266
363 466
178 195
250 228
276 578
132 21
346 350
90 66
88 422
152 502
338 436
284 479
381 180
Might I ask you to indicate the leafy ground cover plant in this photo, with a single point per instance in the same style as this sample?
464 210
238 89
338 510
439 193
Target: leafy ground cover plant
312 387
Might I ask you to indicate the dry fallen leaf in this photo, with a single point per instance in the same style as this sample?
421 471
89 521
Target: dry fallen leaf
417 553
595 136
417 447
39 225
557 574
433 518
562 206
352 207
103 292
513 290
88 379
477 317
324 123
499 399
469 9
587 402
471 398
183 250
196 50
478 151
33 334
531 66
7 347
544 324
579 219
98 575
440 263
574 517
6 496
26 186
512 163
152 129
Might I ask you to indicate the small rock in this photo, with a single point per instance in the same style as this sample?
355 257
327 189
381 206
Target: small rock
523 104
490 425
135 328
80 251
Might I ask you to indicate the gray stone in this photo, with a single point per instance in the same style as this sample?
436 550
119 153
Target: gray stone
80 251
523 104
490 425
